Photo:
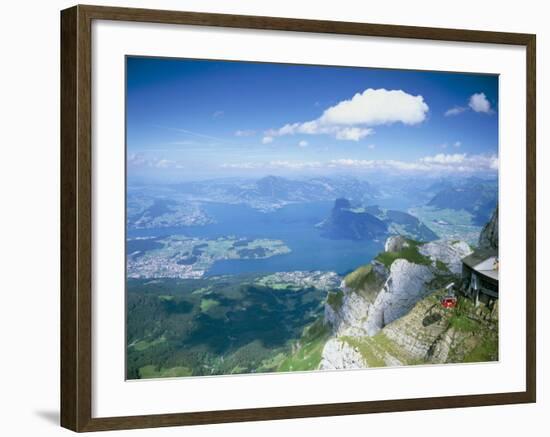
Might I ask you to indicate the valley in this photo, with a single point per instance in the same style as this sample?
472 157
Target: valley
221 325
229 277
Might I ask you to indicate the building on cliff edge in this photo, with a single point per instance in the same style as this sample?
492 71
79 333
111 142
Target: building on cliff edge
480 276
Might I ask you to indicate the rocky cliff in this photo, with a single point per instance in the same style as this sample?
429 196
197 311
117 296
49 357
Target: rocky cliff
488 238
427 334
388 312
387 288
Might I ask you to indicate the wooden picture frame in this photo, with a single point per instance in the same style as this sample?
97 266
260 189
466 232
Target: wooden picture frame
76 218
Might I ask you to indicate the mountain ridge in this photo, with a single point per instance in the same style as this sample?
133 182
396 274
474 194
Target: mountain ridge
372 222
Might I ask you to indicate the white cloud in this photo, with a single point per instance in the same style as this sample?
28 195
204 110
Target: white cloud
245 133
376 107
442 158
348 162
294 165
439 163
372 146
455 111
316 128
352 119
352 133
479 103
303 143
381 164
267 140
242 165
164 163
138 160
461 162
457 144
278 164
307 128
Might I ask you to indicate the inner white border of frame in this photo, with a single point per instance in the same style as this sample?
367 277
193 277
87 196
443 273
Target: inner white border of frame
113 396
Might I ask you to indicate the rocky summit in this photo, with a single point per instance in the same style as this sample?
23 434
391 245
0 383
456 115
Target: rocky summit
389 313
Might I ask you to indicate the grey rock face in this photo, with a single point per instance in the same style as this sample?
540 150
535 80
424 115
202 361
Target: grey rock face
488 238
340 355
395 244
390 309
419 337
450 253
405 286
351 318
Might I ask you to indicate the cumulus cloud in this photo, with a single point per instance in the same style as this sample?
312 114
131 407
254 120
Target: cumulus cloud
267 139
245 133
461 162
294 164
375 107
479 103
455 111
242 165
303 143
457 163
442 158
278 164
352 133
379 164
352 119
439 163
307 128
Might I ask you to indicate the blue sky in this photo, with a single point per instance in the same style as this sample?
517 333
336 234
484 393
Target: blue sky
197 119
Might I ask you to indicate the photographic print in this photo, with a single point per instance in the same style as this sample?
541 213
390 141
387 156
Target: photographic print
284 218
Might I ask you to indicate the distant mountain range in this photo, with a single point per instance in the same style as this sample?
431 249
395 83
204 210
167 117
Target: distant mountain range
146 212
272 192
372 222
477 196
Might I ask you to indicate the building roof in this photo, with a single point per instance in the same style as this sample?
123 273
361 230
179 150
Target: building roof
493 274
482 261
478 256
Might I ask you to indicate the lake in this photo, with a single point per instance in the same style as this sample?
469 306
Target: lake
294 224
